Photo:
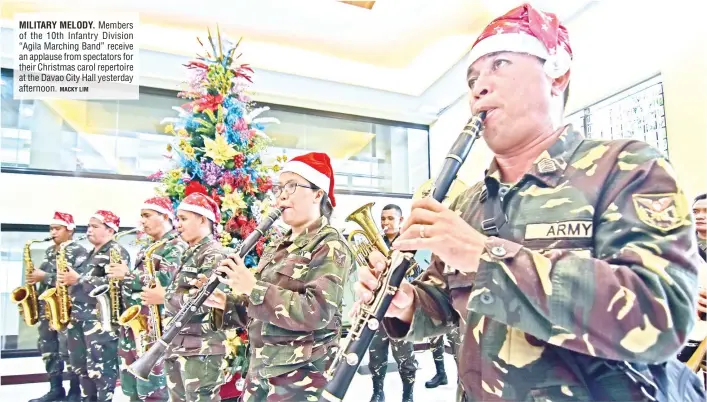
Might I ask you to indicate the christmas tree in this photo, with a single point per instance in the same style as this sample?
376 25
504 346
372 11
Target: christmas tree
216 151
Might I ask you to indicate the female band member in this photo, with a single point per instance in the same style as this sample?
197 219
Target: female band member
292 303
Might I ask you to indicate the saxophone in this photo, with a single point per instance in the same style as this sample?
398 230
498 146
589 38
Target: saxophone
109 297
26 296
56 299
146 330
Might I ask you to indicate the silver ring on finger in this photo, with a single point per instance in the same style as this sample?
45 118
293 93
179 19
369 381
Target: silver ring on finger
422 231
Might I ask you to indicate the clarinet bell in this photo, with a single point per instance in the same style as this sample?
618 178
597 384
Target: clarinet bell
142 367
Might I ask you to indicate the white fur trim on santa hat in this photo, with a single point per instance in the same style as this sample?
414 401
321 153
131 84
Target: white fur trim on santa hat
155 207
316 177
520 42
69 226
103 220
197 210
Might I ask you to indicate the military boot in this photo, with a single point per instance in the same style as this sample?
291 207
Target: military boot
440 378
378 395
74 394
407 391
56 390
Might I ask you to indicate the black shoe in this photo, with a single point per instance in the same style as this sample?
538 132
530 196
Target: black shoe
56 390
440 378
74 394
407 392
378 395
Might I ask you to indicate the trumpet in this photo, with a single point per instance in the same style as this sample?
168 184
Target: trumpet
142 367
108 296
367 321
26 296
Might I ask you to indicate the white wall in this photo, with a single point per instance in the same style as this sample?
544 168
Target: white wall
445 131
34 198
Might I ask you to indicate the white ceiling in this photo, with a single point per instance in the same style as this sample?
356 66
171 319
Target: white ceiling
403 59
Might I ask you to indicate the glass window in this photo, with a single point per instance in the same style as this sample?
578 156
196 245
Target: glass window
637 113
127 138
366 156
16 335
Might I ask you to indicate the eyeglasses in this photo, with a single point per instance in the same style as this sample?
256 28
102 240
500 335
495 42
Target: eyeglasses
289 188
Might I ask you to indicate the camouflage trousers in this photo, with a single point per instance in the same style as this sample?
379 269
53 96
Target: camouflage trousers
194 378
403 353
437 346
154 390
94 358
303 384
53 347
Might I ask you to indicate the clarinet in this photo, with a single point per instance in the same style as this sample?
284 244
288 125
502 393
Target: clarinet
142 367
367 322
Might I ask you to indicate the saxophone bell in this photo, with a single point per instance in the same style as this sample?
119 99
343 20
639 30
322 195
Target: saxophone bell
26 296
102 295
137 323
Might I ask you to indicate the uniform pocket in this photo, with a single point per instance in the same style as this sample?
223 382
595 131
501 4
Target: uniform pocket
284 347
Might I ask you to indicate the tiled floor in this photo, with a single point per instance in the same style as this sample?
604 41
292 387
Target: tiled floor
360 389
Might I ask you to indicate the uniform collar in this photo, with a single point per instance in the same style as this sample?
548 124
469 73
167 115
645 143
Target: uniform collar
303 238
389 242
548 167
205 240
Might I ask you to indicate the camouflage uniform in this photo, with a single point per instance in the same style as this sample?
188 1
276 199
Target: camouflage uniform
97 366
52 344
165 261
603 266
702 245
293 314
193 364
403 353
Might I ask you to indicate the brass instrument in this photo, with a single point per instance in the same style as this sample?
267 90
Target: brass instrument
109 297
146 330
26 296
363 217
56 299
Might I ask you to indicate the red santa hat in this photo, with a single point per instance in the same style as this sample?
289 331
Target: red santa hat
108 218
162 205
63 219
201 204
527 30
316 168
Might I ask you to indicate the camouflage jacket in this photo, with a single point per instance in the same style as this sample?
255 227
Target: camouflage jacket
702 245
165 259
603 265
196 337
293 314
75 254
92 273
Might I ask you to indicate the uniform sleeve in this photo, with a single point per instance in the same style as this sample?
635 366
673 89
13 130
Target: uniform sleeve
317 303
177 294
50 274
633 300
235 315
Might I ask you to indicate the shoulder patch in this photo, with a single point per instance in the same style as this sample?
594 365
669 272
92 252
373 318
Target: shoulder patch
660 211
339 257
